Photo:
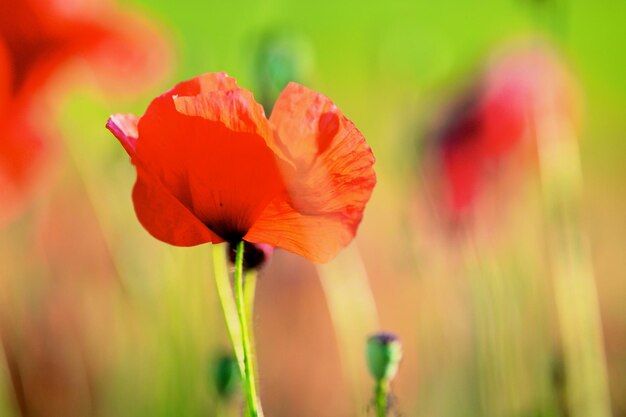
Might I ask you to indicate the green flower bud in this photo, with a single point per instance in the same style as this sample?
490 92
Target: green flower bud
281 57
226 375
384 352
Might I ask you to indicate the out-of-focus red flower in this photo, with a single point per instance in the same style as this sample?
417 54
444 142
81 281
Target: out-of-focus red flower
20 145
212 168
123 50
37 39
495 116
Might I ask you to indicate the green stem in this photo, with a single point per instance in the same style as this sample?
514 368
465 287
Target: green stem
381 395
252 399
249 290
225 293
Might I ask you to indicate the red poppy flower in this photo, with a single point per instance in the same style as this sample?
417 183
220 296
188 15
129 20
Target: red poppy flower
20 144
37 38
212 168
496 116
41 35
480 131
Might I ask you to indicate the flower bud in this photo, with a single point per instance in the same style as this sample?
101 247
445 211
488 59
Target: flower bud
281 57
384 352
225 374
255 255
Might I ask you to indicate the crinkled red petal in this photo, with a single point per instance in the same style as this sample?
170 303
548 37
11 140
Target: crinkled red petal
332 182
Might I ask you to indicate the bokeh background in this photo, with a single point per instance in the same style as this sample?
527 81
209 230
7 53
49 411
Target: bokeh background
100 319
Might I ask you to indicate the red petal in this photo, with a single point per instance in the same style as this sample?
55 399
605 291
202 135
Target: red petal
233 107
124 128
333 181
205 83
123 50
204 141
5 77
164 216
316 237
23 155
127 52
461 165
157 209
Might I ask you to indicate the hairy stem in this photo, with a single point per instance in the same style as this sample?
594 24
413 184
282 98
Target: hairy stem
248 375
225 293
381 395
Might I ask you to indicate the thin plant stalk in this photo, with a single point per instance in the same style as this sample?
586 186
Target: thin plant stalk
353 318
225 293
8 393
381 397
574 282
249 381
249 289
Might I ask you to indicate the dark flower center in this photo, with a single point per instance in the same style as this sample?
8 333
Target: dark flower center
254 256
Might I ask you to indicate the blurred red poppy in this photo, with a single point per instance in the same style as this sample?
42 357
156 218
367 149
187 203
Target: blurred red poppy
493 117
37 38
212 168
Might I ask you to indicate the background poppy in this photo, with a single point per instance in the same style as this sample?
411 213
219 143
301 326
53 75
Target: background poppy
37 40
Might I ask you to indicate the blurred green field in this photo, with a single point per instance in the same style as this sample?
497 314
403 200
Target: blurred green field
110 322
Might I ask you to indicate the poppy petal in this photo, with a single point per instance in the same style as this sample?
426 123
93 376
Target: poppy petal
333 178
317 238
157 210
127 52
204 140
235 109
164 217
205 83
124 128
5 77
123 50
23 157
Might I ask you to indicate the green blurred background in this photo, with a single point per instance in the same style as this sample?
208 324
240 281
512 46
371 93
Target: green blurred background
111 322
